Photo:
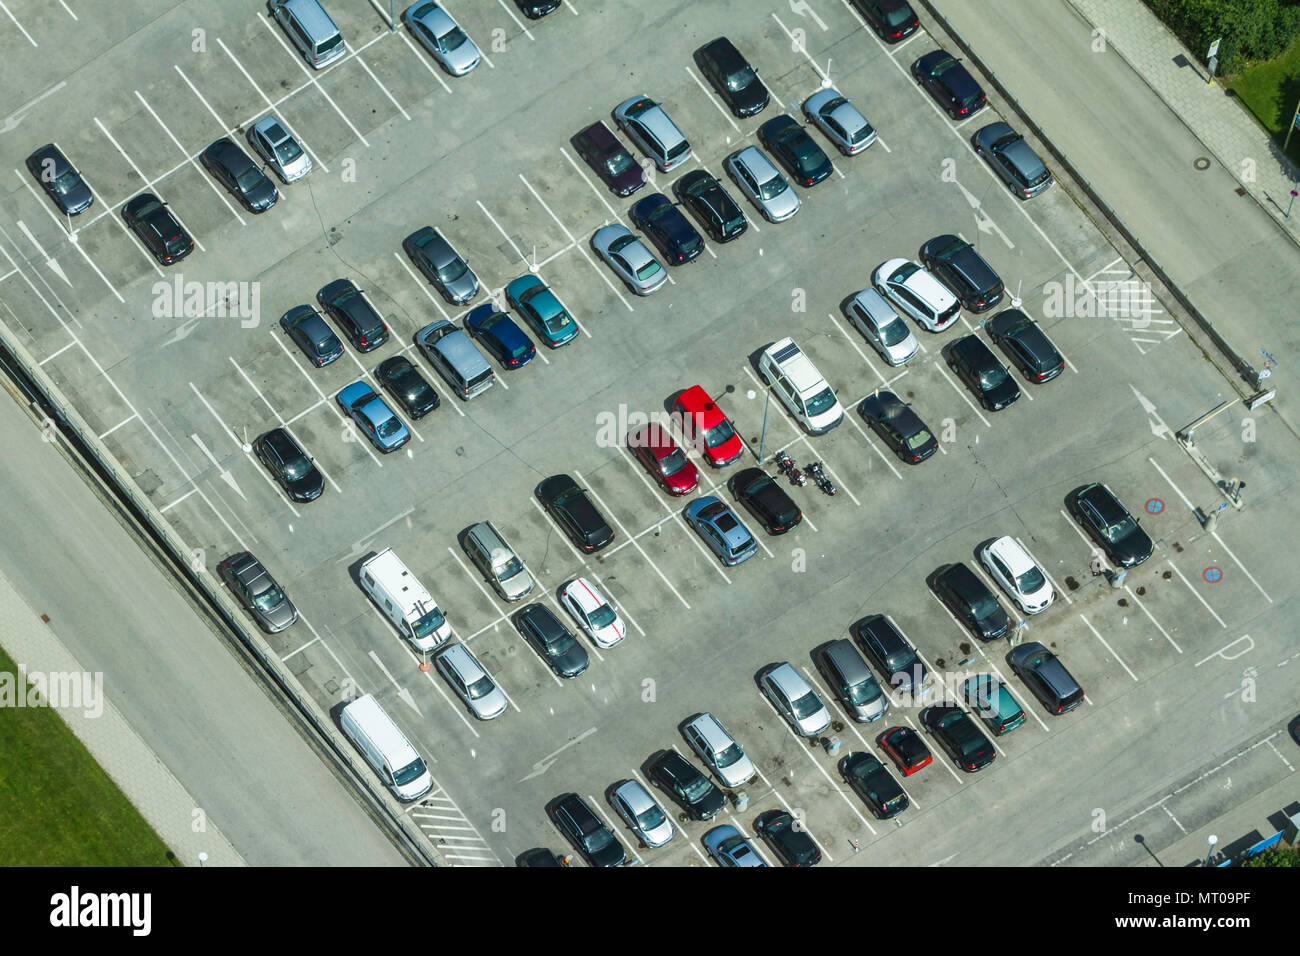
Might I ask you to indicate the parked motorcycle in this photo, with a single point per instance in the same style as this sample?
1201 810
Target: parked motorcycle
786 464
819 476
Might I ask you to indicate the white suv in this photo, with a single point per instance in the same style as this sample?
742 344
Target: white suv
1018 574
917 293
719 751
800 387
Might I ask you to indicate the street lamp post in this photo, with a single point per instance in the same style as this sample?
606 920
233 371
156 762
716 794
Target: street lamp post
762 437
1213 840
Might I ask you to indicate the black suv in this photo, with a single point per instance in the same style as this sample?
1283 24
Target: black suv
354 314
693 791
892 654
971 601
963 270
158 229
765 500
1044 674
573 511
874 784
788 838
794 149
239 174
975 364
732 76
290 465
1027 344
551 639
893 20
595 841
1110 525
665 226
711 204
901 428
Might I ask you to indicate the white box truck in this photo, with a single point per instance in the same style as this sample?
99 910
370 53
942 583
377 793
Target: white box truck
404 600
385 748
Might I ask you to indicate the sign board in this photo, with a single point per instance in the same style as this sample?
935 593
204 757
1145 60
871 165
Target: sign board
1214 47
1295 120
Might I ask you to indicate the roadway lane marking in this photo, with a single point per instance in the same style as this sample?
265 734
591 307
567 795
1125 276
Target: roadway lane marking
1196 593
1153 620
71 236
726 114
172 504
1108 647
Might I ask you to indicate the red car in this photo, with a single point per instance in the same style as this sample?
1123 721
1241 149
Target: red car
905 748
704 424
655 449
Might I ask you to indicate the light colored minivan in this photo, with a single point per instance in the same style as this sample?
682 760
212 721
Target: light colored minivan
311 30
450 351
498 561
719 751
852 682
471 681
800 387
385 748
404 600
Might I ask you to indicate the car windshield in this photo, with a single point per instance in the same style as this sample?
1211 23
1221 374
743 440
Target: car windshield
619 162
970 101
943 67
269 599
651 818
894 332
411 772
597 841
919 440
561 645
823 401
452 271
992 378
428 623
985 606
329 343
809 158
1003 142
719 434
452 40
603 616
672 462
649 269
741 78
175 244
904 272
899 15
509 569
865 692
64 184
297 467
287 151
557 322
773 188
249 178
480 688
519 351
389 428
899 660
729 756
1030 581
697 788
807 705
1120 529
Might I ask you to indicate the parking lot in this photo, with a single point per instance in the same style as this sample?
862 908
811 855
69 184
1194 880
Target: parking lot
486 159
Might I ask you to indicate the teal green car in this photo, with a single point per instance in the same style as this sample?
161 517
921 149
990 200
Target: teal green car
541 308
990 700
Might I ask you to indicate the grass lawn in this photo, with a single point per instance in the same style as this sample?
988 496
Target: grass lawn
57 807
1270 90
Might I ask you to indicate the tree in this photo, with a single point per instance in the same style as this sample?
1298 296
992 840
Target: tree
1276 856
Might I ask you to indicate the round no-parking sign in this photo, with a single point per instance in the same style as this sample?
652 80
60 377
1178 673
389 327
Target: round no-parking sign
1213 574
1155 506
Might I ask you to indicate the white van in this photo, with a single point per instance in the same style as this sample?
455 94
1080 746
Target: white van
800 387
385 748
404 600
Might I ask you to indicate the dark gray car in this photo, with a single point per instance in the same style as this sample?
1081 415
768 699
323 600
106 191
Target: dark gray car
312 333
1012 159
60 179
441 265
551 639
254 587
239 174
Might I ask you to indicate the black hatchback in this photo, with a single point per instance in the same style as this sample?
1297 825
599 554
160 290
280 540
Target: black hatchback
160 231
693 791
569 505
976 365
794 149
788 838
354 314
901 428
665 226
312 334
239 174
595 841
289 465
405 383
893 20
971 602
874 784
711 204
60 179
552 640
963 270
732 76
952 87
765 500
1026 344
1110 525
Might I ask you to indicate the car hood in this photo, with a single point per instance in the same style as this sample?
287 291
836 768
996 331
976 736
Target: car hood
1135 548
610 855
573 661
463 58
995 624
262 195
280 616
752 98
78 197
783 205
309 486
464 288
1004 393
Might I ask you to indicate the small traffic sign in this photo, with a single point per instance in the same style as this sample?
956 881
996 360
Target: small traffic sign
1155 506
1213 574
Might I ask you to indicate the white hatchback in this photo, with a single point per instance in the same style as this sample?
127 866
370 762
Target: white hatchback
593 613
917 293
1018 574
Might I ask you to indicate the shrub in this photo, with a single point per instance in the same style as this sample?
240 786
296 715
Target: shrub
1251 29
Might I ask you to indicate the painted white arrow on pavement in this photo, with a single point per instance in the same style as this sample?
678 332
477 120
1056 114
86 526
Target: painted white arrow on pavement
983 221
226 476
1158 427
545 763
49 260
402 692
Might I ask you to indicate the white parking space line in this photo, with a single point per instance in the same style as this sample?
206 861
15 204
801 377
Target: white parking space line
120 224
1215 535
1108 647
1043 567
709 95
848 722
617 604
405 115
148 185
958 389
17 24
117 426
316 160
455 705
586 179
54 355
852 340
424 286
1152 619
663 577
519 23
1093 550
298 60
257 466
1195 593
850 415
799 45
424 60
550 523
615 827
367 376
71 238
505 235
203 174
1177 490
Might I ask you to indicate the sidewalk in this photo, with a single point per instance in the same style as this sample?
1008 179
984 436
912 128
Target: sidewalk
161 799
1225 128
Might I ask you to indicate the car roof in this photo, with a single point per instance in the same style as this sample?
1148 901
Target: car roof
1015 557
752 158
963 582
696 401
459 659
795 365
638 799
712 731
265 125
725 52
435 18
886 635
282 442
788 680
653 437
930 289
585 594
972 348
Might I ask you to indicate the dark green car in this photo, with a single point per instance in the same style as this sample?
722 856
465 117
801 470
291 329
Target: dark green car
990 700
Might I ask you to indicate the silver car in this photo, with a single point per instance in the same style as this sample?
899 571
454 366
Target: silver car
442 36
840 120
719 751
642 813
628 256
873 316
918 293
763 183
1013 159
270 140
468 679
797 702
646 123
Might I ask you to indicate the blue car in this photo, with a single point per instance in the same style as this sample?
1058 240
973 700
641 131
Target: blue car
729 847
530 297
500 336
721 530
384 429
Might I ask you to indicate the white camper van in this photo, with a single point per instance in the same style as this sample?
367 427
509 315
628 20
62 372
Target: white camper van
404 600
385 748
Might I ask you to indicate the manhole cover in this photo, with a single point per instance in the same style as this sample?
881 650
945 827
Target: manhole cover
1201 163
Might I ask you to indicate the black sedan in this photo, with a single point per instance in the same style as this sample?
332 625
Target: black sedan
573 511
971 602
1110 525
539 856
959 735
893 20
952 87
711 204
957 265
151 220
901 428
765 500
976 365
552 640
693 791
1026 344
579 823
354 314
874 784
405 383
665 226
289 465
312 334
536 9
60 180
732 76
234 170
795 150
787 838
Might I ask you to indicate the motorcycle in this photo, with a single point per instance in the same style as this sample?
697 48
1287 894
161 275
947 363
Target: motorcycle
786 465
819 476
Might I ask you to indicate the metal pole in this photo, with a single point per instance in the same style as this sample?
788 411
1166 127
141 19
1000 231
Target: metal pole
1213 840
1185 434
392 19
762 438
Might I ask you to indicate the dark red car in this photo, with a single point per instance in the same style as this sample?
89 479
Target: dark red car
602 151
655 449
905 748
704 424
